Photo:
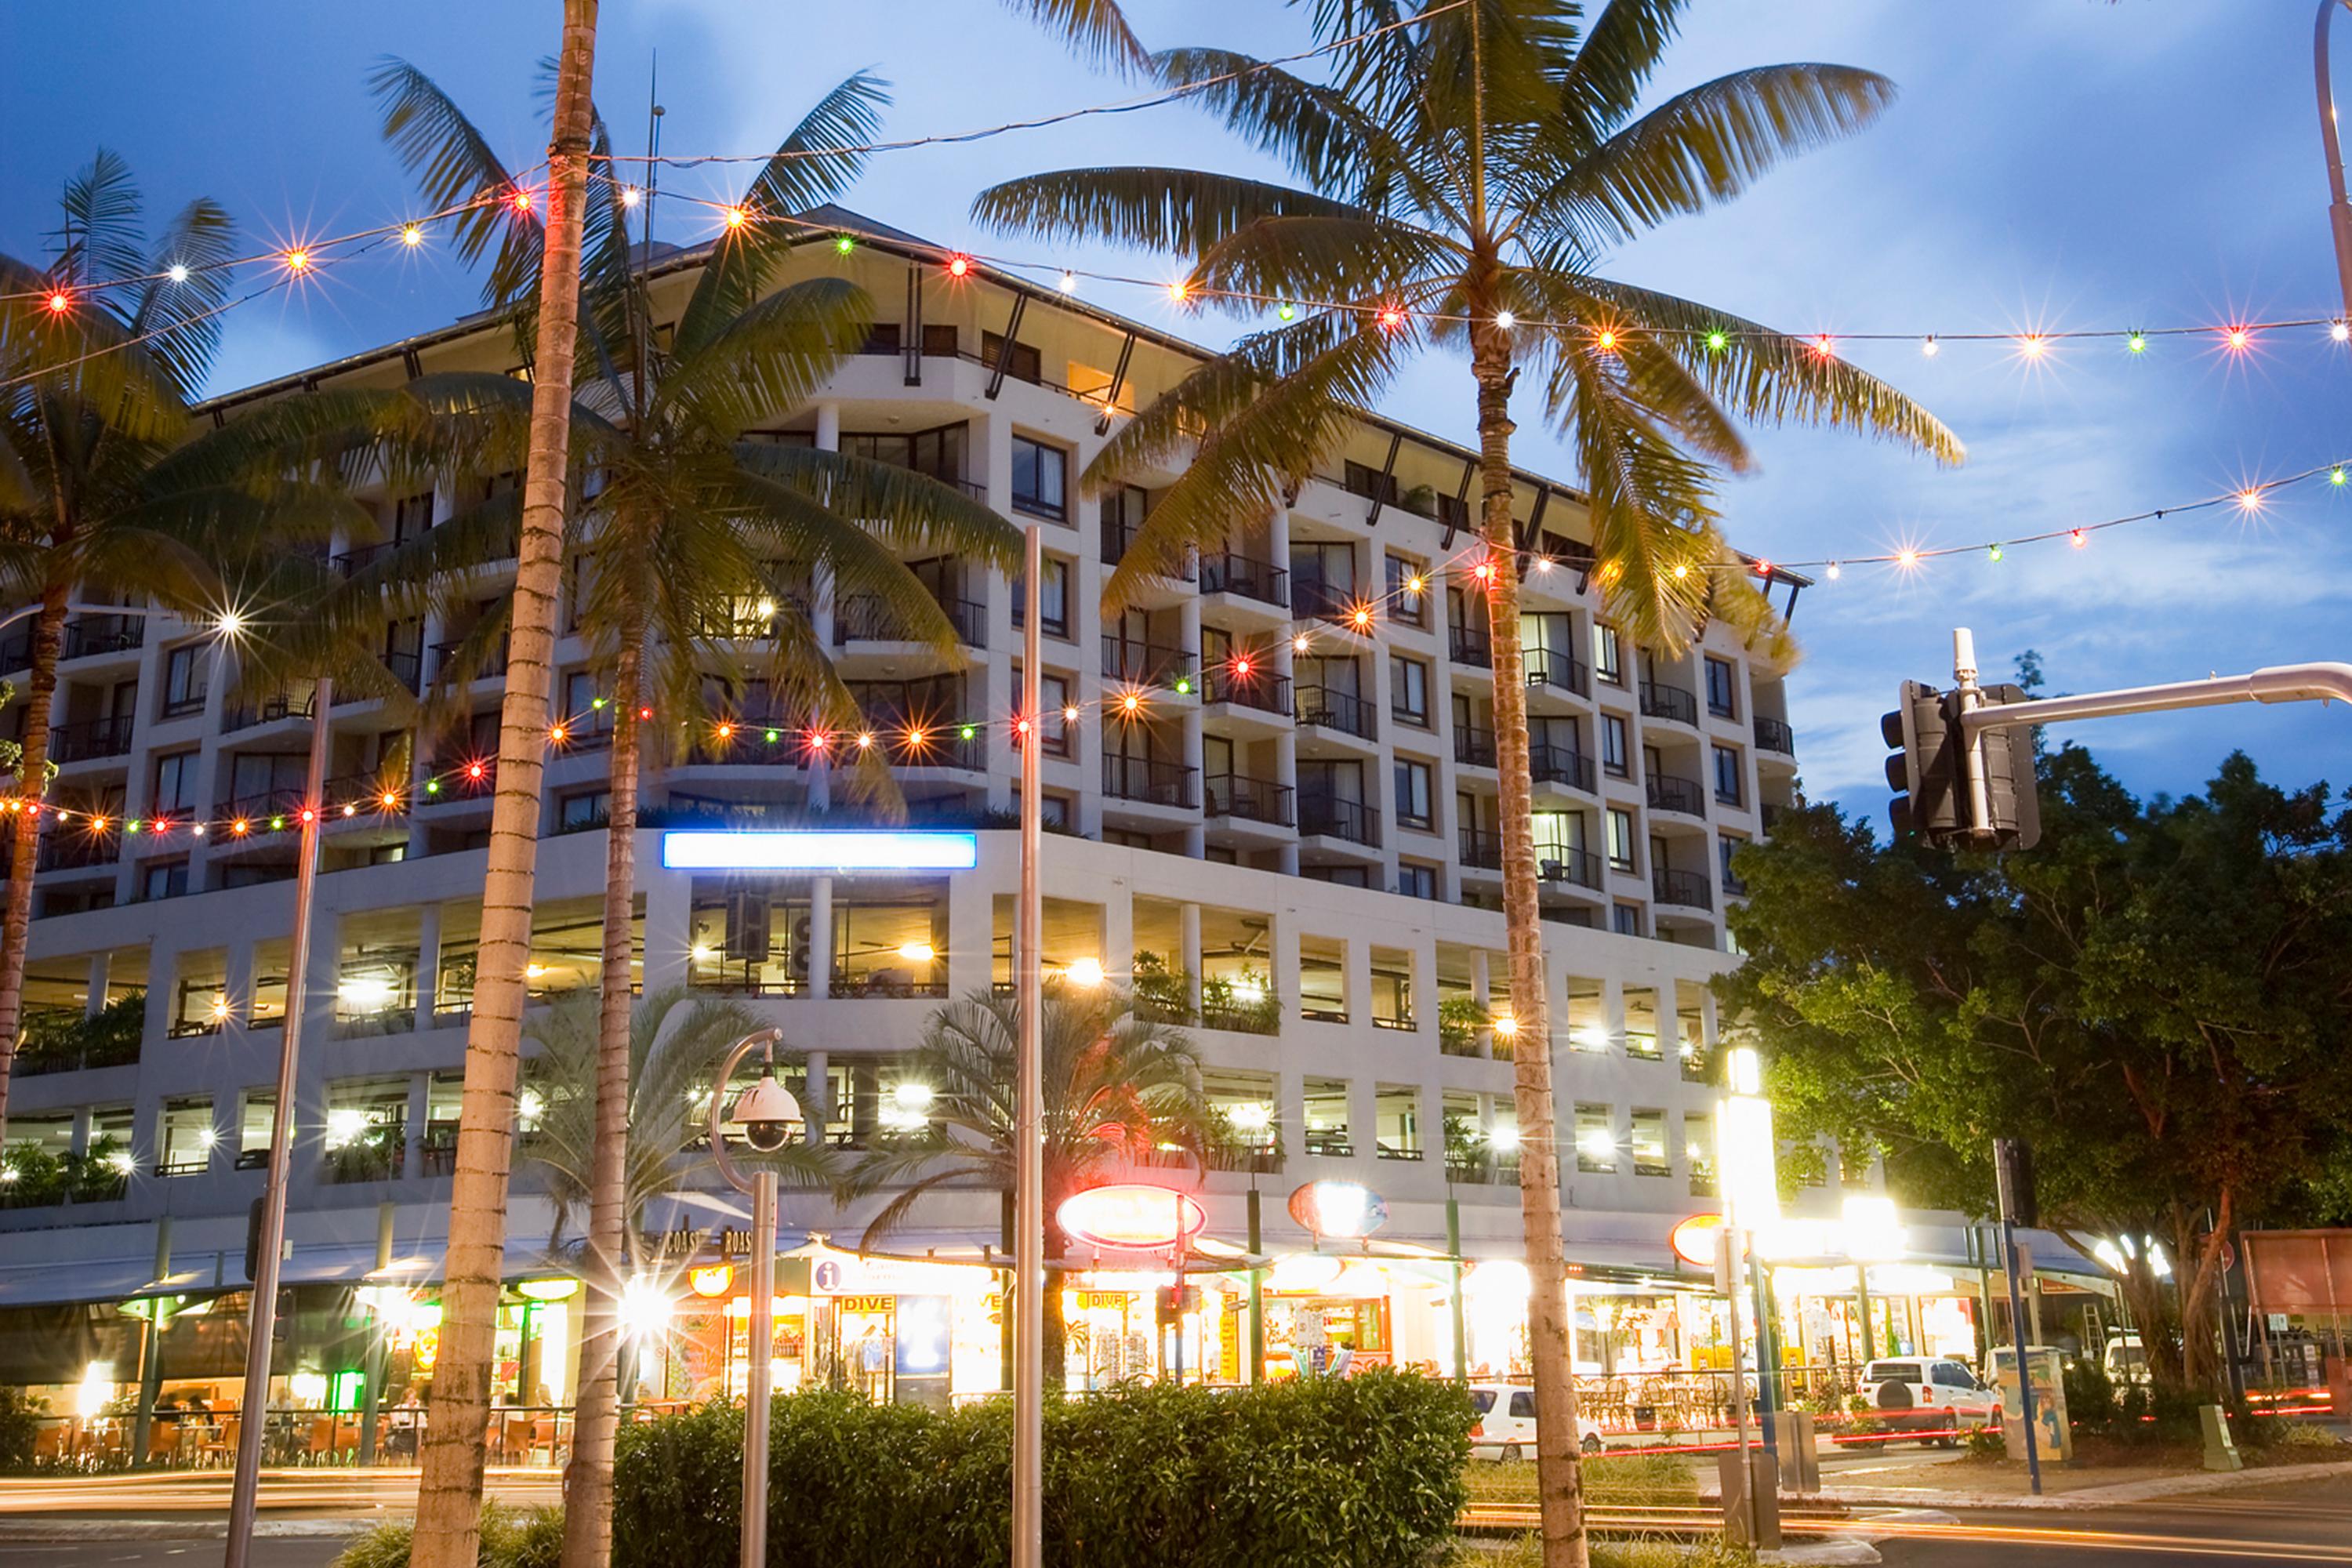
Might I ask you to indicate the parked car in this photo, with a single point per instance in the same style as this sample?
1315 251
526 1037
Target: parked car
1507 1423
2124 1359
1927 1392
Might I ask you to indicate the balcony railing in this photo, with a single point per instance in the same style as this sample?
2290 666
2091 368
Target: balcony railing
360 557
260 805
1149 783
90 739
1143 663
1261 689
92 634
1577 868
865 617
1329 710
1684 796
1774 735
1661 702
75 849
265 710
1246 578
1117 541
1351 820
492 665
409 669
1470 644
1252 800
1552 671
1560 765
1687 889
1480 851
1335 602
1474 747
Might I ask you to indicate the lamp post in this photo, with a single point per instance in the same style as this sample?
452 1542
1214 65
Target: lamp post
764 1112
1029 1102
2339 208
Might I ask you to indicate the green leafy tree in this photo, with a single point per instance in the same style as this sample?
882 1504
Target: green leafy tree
1457 186
1118 1088
2152 998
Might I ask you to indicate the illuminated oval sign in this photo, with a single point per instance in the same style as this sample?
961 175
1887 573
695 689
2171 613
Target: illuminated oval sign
712 1280
1132 1215
1346 1210
1693 1239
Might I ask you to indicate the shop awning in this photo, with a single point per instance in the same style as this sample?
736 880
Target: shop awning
89 1279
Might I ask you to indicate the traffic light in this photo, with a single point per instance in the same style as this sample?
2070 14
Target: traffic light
1924 772
253 1241
2013 790
2013 1174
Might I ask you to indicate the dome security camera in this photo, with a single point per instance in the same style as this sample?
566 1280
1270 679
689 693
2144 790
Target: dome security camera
765 1111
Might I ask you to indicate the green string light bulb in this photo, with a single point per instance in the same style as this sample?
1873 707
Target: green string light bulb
1994 553
2136 342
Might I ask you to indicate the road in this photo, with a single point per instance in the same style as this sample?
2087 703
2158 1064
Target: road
187 1553
2308 1523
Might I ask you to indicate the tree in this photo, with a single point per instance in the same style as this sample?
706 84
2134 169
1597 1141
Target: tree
1117 1088
100 351
1456 178
2151 999
450 1496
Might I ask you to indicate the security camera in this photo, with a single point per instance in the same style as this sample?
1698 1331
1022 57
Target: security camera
765 1112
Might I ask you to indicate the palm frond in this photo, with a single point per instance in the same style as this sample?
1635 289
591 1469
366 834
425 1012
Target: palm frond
821 159
1615 61
1325 139
773 354
1096 30
183 317
452 163
100 240
1171 209
1358 257
910 509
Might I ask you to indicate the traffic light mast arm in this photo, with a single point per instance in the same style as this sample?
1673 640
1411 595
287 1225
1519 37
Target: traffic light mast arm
2280 683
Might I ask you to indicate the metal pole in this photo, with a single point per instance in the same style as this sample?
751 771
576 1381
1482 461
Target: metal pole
261 1312
762 1365
2339 210
1029 1176
372 1381
2316 682
1257 1291
1454 1304
2016 1343
1734 1245
1964 674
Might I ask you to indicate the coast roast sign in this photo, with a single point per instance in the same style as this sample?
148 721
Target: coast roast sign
1342 1211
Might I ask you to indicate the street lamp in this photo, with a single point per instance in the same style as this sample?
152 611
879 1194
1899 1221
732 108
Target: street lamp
2339 209
765 1111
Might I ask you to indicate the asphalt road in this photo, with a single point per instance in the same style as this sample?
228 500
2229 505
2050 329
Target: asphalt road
267 1553
2308 1523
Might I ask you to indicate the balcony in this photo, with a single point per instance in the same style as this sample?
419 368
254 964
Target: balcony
1246 578
261 806
1480 851
409 669
1117 541
1774 735
1325 708
265 710
1250 800
865 617
1470 644
1350 820
1683 796
1572 868
491 666
1660 701
1143 663
1560 765
1687 888
1551 671
1336 603
72 848
90 740
1261 690
1474 748
359 558
90 635
1149 783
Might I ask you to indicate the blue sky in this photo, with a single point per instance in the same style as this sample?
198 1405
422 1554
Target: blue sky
2050 164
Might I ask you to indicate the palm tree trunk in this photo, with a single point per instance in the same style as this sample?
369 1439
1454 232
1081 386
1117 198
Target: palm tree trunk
450 1496
32 777
588 1480
1558 1478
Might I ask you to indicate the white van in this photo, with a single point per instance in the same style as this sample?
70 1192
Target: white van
1927 1392
1507 1423
2124 1359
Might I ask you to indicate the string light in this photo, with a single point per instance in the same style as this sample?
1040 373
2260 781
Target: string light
1822 346
2341 331
2136 342
1605 340
1993 552
1286 311
412 235
1391 319
737 217
959 266
1176 293
59 302
629 194
2077 538
177 272
298 260
1929 346
2335 476
1835 571
1504 320
1717 341
2030 345
521 201
2239 338
1069 282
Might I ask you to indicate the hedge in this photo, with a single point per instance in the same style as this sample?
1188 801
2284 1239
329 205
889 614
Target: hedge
1364 1470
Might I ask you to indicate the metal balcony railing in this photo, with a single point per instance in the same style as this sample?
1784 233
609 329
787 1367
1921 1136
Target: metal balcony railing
1117 541
1246 578
1660 701
1329 710
1681 795
1560 765
89 636
75 848
1261 689
1474 747
1553 671
1470 644
1144 663
493 664
1148 781
1351 820
1775 735
258 807
1577 868
1252 800
865 617
1480 851
360 557
90 739
1687 889
265 710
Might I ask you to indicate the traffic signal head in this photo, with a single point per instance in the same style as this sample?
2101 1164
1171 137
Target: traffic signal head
2013 790
1924 769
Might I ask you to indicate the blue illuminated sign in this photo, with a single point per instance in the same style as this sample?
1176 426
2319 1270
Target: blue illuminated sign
920 849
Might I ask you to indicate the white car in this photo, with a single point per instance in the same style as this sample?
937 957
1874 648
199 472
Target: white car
1934 1394
2125 1360
1507 1423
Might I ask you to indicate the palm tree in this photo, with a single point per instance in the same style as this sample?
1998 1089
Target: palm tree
1117 1088
1455 178
100 351
689 526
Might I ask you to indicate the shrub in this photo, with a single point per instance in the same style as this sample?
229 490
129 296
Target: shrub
533 1539
1986 1443
20 1426
1365 1470
2090 1397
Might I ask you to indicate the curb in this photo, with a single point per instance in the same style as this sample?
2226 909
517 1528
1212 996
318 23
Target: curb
66 1530
1827 1552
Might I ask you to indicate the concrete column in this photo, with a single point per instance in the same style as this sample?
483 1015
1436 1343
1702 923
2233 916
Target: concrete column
820 945
1189 918
669 905
429 962
971 934
96 1003
816 1105
1363 1118
1290 1108
1282 962
81 1123
1285 771
1355 969
1479 980
1612 1012
412 1153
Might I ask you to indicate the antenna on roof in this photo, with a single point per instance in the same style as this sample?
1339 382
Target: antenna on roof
654 112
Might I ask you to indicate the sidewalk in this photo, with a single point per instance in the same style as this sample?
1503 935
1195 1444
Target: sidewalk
2068 1490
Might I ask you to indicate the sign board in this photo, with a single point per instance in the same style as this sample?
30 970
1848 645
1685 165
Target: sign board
1694 1240
1131 1215
854 1276
1345 1211
758 849
2054 1435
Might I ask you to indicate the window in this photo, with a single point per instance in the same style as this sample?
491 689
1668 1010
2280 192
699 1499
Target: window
1698 1151
1039 478
255 1119
1726 774
1412 806
1054 739
1416 882
582 809
1023 364
1409 691
187 672
1621 839
1408 585
1649 1145
184 1136
1727 847
1720 689
176 783
1615 746
1607 654
162 879
1326 1110
1052 599
1596 1142
1625 920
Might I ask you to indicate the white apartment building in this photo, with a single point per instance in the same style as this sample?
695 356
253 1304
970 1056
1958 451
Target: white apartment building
1294 826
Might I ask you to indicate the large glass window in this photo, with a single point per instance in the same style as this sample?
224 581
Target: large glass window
1615 746
1641 1022
1040 476
1726 775
1396 1112
187 671
176 783
1698 1151
1053 598
894 946
1409 691
747 938
1413 799
1607 654
184 1136
1596 1140
1648 1141
1327 1117
1621 839
1408 585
